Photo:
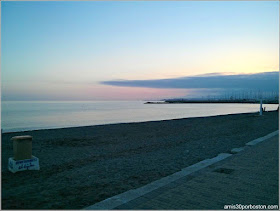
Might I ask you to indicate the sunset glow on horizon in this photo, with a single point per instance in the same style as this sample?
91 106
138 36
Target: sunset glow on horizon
65 50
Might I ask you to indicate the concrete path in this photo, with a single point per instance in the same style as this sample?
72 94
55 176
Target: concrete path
249 177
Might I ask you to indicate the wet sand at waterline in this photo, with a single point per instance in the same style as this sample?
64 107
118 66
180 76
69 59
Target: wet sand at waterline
84 165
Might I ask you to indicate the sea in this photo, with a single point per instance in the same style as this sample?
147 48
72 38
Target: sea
32 115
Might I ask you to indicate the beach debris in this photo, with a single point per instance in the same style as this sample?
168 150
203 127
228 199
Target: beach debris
23 158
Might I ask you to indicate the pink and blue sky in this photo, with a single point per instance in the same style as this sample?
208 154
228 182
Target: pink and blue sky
83 50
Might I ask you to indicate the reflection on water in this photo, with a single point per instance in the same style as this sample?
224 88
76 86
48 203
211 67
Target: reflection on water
27 115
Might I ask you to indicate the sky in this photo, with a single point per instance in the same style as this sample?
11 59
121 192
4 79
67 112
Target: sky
75 50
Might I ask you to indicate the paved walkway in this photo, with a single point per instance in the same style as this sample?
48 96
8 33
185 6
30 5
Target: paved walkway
249 177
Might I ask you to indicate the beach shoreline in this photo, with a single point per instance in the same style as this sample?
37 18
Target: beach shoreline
109 124
114 123
84 165
25 116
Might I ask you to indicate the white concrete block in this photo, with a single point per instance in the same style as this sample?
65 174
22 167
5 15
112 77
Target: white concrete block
22 165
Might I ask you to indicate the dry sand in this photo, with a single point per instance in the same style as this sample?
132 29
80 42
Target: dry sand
84 165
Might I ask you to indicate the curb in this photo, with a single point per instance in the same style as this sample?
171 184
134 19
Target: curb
258 140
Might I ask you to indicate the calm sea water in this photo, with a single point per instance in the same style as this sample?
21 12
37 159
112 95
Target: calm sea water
29 115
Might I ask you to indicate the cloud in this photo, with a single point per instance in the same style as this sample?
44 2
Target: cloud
268 81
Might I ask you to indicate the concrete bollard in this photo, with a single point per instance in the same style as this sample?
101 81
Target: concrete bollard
22 146
261 109
23 158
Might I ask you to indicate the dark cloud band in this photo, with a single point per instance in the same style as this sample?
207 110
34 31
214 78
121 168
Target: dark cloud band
268 81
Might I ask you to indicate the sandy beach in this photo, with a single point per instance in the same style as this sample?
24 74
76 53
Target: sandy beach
84 165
